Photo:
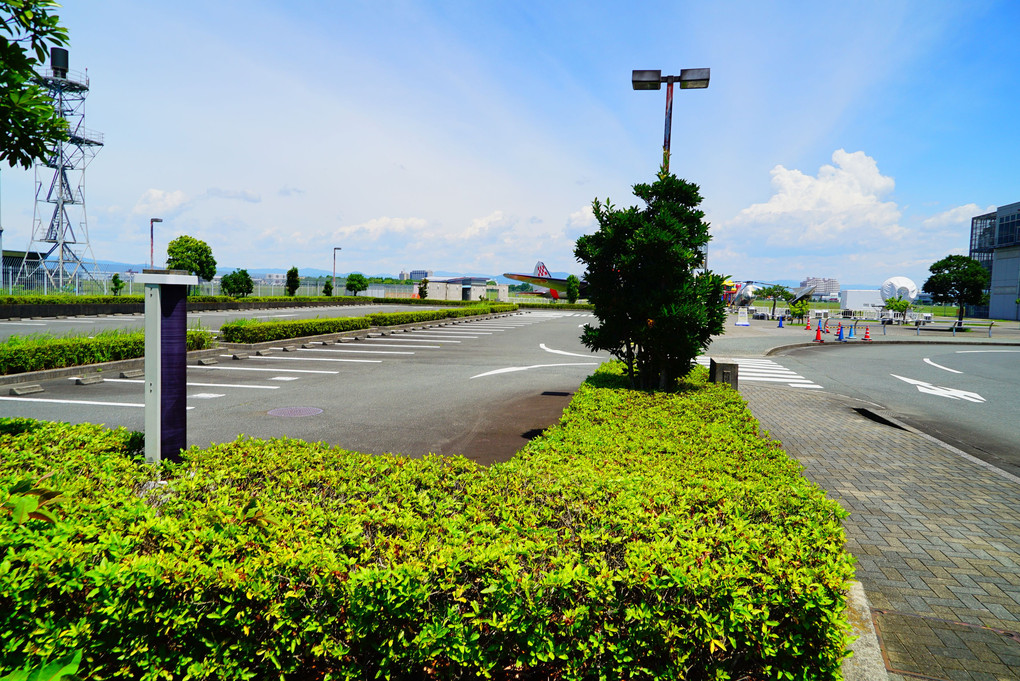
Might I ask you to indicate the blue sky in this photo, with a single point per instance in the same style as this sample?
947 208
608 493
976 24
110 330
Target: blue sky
847 140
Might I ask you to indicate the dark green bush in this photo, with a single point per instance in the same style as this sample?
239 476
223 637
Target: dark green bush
35 353
69 299
251 331
646 536
557 306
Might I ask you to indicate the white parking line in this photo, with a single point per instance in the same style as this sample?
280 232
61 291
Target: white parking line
368 352
196 385
416 347
413 340
289 371
432 335
91 403
310 359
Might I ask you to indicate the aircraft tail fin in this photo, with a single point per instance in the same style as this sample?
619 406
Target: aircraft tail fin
541 270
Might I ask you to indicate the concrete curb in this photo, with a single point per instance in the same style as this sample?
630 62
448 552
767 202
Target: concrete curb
779 349
866 662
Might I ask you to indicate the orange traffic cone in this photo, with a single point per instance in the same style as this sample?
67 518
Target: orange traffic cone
808 327
818 335
867 333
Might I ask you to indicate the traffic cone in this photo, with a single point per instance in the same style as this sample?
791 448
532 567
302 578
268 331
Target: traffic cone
808 327
840 337
780 323
827 326
818 335
867 333
850 336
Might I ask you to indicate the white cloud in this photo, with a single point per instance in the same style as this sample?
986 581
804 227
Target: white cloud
156 202
233 194
841 208
956 217
580 221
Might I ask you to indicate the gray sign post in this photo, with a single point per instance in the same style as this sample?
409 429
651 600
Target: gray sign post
166 348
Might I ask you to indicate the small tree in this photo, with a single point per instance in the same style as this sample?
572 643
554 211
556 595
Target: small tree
327 288
959 280
293 281
657 309
423 289
116 285
356 283
191 254
799 309
573 288
775 292
237 284
899 305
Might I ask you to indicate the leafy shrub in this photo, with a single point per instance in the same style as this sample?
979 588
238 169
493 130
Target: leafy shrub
19 354
557 306
253 331
645 536
68 299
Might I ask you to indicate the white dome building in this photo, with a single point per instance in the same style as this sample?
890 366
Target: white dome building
899 287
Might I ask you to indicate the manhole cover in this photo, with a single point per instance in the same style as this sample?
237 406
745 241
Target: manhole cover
293 412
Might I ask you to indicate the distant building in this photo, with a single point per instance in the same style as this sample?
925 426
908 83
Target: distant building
418 275
995 243
403 275
824 288
274 278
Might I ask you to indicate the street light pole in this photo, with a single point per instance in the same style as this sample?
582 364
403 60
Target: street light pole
689 79
152 252
335 249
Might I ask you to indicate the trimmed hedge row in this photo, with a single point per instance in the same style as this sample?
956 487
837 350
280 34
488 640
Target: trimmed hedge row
395 318
68 299
18 355
557 306
645 536
251 331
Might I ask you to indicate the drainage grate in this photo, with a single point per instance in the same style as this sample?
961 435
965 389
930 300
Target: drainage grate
294 412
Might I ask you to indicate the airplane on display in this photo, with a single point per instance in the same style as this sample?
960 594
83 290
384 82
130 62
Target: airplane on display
744 292
545 283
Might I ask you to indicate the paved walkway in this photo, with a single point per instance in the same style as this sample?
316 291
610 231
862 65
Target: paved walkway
936 533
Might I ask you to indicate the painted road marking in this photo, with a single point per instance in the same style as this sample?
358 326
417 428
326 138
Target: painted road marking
413 340
196 385
274 370
764 371
533 366
310 359
204 396
416 347
90 403
571 354
939 366
441 334
951 393
290 378
367 352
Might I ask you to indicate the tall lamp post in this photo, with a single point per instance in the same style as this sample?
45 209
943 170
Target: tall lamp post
152 256
689 79
335 249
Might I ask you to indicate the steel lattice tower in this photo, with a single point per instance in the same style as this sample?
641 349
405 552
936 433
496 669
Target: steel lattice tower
58 250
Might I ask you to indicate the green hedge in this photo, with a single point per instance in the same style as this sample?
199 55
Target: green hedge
35 353
251 331
646 536
421 316
69 299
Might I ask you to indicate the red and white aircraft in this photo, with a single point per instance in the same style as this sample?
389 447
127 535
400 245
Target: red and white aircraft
544 283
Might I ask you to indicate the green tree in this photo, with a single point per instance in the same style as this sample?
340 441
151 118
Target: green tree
900 305
423 289
657 311
191 254
775 292
29 125
800 309
293 281
959 280
327 288
573 288
237 284
356 283
116 284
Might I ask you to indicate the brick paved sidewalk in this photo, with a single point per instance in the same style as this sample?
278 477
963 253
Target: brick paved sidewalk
936 534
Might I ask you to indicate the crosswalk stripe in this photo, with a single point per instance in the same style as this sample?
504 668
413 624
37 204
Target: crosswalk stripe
765 371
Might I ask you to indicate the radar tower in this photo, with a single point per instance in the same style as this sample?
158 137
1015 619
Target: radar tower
58 251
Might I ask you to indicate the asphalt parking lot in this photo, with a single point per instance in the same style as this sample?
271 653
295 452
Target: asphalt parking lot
480 388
